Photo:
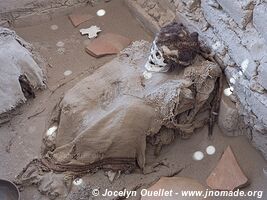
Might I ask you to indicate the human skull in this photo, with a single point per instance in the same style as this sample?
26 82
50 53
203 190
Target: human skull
156 61
174 46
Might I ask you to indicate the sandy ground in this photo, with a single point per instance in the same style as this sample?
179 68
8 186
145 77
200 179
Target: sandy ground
21 138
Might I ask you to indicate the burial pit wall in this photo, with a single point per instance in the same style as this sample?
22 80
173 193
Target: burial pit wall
236 34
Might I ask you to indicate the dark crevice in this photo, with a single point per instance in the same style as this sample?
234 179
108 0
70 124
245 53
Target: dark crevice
26 87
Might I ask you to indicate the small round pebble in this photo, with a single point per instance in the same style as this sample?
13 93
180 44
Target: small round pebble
210 150
60 44
67 73
54 27
101 12
198 155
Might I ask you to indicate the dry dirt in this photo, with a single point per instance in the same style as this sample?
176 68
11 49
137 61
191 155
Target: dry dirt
21 138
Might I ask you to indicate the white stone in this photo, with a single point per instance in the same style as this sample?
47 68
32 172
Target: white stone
54 27
228 91
198 155
51 131
210 150
91 31
101 12
60 44
67 72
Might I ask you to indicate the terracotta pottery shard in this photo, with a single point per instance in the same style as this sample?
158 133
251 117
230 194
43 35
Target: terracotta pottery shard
107 44
101 48
77 19
227 175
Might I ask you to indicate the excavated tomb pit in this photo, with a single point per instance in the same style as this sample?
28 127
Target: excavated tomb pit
136 114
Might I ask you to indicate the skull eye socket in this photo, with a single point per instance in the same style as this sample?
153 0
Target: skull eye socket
151 62
158 55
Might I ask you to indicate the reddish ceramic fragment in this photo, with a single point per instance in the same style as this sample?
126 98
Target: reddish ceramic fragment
227 175
77 19
107 44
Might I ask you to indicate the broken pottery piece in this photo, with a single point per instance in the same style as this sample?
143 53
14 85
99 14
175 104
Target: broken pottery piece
227 175
107 44
77 19
100 48
176 184
91 32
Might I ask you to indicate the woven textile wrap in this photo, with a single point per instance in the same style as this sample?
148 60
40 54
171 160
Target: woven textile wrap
17 58
107 116
104 121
